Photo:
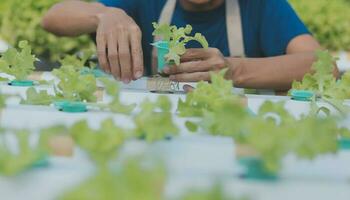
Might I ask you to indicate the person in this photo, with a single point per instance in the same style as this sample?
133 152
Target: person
263 43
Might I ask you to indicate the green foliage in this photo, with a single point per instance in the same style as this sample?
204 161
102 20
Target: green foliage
322 79
113 90
207 96
274 133
2 101
77 62
323 83
216 193
78 87
328 20
133 182
177 38
74 86
155 122
102 144
35 97
345 133
15 162
20 20
19 64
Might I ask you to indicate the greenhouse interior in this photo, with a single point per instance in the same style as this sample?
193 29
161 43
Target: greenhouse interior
175 99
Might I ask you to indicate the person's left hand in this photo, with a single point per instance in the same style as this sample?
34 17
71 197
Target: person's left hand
196 65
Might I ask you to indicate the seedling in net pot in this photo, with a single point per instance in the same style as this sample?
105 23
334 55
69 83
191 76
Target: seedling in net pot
26 157
322 85
18 65
172 43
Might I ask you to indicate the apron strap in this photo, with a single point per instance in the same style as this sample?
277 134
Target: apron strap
167 13
234 29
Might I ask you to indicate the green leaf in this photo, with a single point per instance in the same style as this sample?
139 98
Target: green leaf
22 21
34 97
133 181
74 86
331 30
116 106
90 140
18 63
77 62
155 121
191 126
208 96
13 163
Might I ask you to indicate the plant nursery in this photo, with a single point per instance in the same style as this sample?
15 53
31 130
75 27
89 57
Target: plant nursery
175 100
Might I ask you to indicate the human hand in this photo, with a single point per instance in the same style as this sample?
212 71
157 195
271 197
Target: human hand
119 46
197 65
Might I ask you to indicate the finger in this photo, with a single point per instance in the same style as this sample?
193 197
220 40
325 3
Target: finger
188 67
113 57
195 54
124 58
137 54
101 51
191 77
188 88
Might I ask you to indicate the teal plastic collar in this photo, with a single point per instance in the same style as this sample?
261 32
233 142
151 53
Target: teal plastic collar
71 107
254 169
344 144
24 83
42 162
162 50
96 72
302 95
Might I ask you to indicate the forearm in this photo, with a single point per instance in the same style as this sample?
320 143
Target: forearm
276 73
73 18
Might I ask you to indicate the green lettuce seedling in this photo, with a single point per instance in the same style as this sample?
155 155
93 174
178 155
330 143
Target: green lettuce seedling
102 144
208 96
73 86
133 181
323 83
322 79
155 121
34 97
115 105
13 163
18 63
177 39
274 133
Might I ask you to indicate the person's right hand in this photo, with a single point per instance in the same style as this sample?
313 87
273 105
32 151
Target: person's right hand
119 46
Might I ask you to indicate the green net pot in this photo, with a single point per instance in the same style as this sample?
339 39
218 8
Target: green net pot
71 107
21 83
302 95
254 169
162 50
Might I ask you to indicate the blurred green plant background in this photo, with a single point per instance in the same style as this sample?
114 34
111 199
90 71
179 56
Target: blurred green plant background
328 20
20 20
